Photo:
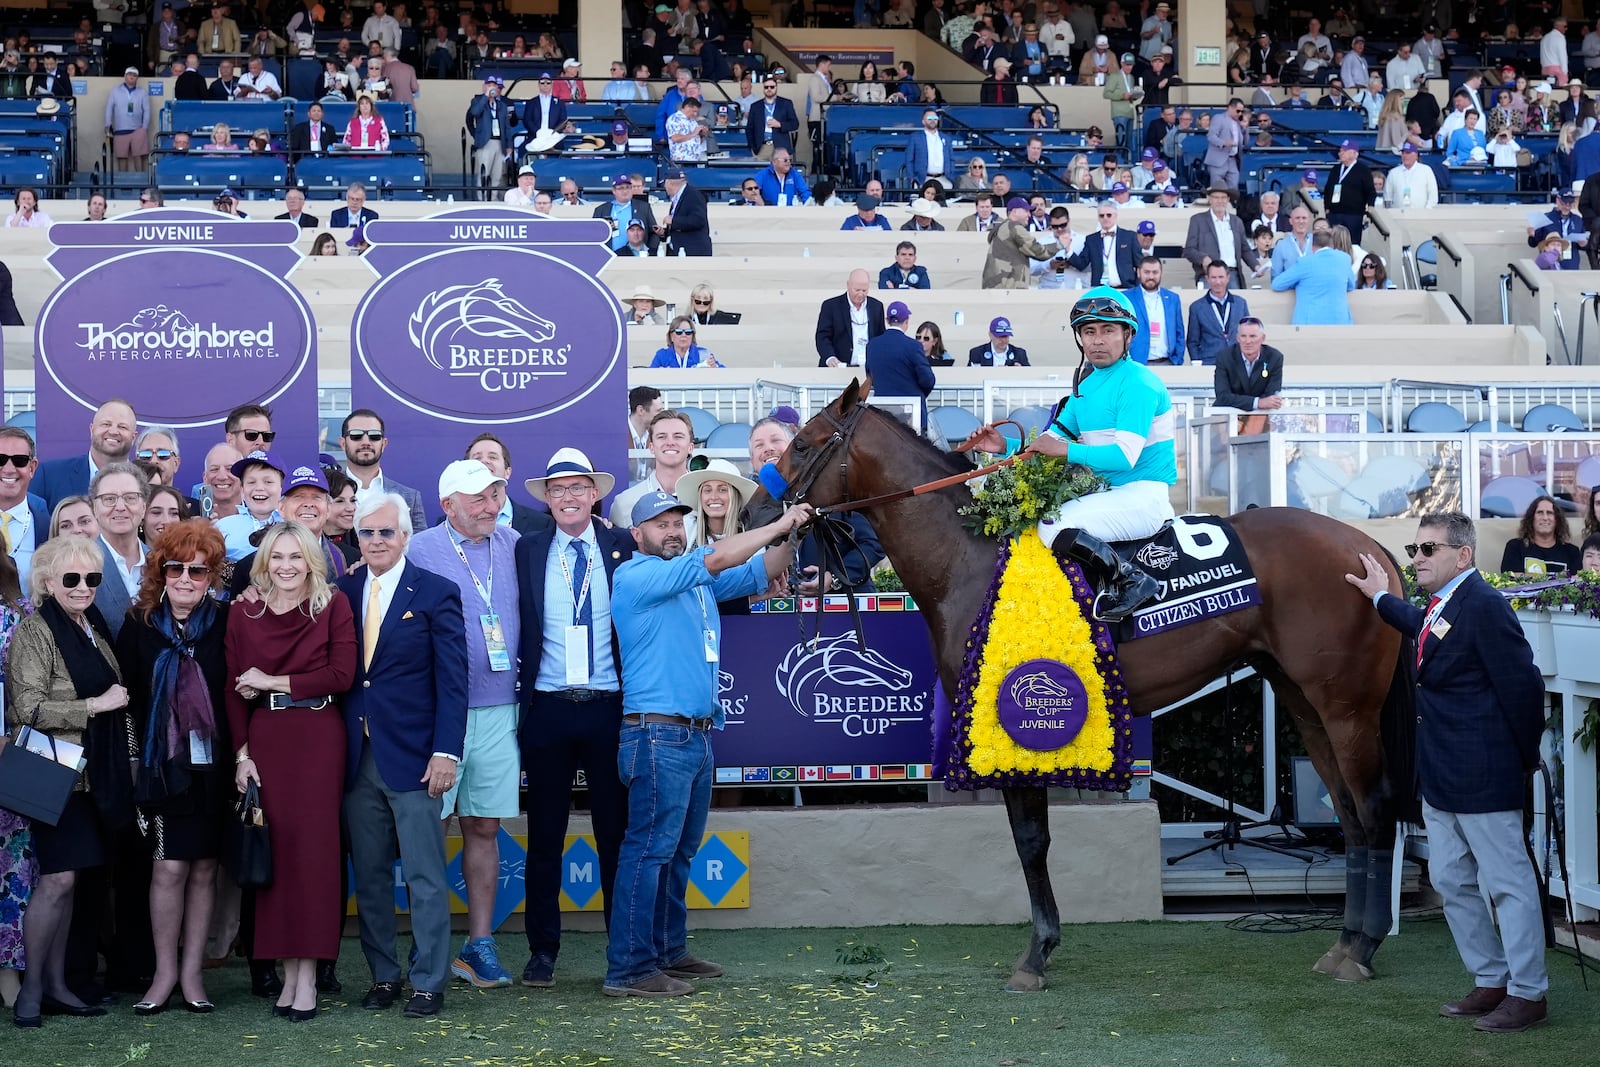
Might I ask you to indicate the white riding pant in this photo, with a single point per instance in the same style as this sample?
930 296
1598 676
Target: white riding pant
1121 513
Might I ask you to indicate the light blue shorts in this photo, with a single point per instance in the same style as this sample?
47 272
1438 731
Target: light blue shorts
491 766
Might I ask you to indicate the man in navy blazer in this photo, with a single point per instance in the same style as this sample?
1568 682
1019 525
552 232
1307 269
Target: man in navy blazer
1171 315
1480 709
405 724
355 211
111 434
835 328
543 111
24 519
1125 256
896 364
685 225
1214 317
571 714
772 123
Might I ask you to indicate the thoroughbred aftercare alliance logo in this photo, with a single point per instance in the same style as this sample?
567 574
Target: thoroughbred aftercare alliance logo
478 331
166 333
834 680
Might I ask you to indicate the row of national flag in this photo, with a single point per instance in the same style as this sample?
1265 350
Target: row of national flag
835 602
826 772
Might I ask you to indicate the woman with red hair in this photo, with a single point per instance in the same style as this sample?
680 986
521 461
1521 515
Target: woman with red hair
367 129
172 659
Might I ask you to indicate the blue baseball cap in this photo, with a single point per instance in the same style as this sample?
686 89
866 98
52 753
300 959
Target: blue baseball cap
674 174
1000 327
1147 227
657 503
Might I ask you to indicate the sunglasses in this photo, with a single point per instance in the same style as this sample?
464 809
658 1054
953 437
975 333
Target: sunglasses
70 579
1428 548
702 303
924 336
364 435
16 461
681 332
196 571
259 435
1250 320
148 454
386 533
1060 225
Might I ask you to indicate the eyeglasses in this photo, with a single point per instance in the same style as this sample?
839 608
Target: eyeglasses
145 200
1428 548
386 533
148 454
681 332
16 461
702 303
196 571
1060 225
924 336
70 579
259 435
110 500
1250 320
364 435
1108 214
559 491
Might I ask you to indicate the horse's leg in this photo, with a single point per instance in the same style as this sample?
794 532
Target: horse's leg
1028 809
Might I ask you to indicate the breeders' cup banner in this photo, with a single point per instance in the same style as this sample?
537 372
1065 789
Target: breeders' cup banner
184 314
800 709
489 318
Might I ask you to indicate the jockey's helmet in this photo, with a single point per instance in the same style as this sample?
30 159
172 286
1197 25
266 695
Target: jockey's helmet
1104 304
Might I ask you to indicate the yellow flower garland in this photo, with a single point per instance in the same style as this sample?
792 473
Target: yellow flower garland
1036 617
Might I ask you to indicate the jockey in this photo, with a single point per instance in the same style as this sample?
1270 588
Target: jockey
1118 422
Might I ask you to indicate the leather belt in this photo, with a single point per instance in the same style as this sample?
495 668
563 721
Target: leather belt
281 701
652 719
582 696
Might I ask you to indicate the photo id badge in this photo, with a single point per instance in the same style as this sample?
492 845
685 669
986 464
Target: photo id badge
494 640
711 645
1336 190
577 641
199 749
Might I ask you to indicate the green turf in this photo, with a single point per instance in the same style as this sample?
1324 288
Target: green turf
1131 994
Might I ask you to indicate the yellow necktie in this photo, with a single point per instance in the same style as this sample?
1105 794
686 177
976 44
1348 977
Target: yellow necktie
369 626
5 528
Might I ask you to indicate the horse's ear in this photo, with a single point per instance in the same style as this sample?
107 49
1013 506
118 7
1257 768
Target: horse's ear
851 396
866 388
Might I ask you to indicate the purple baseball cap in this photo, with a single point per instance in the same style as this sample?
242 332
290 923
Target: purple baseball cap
619 127
1148 154
1147 227
1119 187
897 312
1000 327
1408 147
674 174
1349 146
1158 166
1309 176
303 476
1169 190
785 413
258 458
1017 202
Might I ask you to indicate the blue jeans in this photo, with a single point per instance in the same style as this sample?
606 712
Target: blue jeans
668 772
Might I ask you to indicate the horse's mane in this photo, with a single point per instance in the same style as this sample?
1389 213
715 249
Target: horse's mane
950 463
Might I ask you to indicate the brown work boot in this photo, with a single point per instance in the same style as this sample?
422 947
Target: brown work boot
1481 1001
693 967
657 985
1513 1016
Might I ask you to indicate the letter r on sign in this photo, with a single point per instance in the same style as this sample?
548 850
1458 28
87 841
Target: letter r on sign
713 870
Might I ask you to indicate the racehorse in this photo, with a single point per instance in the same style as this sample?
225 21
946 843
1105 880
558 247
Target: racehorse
1339 671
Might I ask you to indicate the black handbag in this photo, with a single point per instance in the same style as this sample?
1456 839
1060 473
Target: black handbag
247 853
32 785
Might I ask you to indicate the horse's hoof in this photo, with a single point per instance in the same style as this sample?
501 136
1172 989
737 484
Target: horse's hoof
1025 982
1348 970
1330 960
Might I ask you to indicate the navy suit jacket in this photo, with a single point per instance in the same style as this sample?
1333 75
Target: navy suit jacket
1205 337
1480 700
412 699
480 120
833 327
897 366
1092 258
39 513
690 229
340 218
533 111
755 126
112 596
57 479
532 553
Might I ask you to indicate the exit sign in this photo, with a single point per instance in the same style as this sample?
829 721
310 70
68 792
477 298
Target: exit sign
1207 57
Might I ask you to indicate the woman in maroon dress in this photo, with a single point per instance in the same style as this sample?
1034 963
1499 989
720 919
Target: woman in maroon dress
291 654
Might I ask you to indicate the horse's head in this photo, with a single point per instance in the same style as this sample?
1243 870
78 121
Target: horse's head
815 468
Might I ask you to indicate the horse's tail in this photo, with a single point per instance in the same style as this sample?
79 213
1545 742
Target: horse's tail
1398 726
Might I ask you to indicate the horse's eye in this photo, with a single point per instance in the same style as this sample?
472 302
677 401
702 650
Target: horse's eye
800 444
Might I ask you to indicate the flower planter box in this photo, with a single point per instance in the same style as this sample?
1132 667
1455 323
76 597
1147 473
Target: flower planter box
1540 634
1576 641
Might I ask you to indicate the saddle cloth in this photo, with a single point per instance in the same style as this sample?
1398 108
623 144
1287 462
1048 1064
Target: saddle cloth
1202 572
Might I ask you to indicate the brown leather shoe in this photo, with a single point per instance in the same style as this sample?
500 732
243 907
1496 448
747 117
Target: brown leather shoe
657 985
1481 1001
693 967
1513 1016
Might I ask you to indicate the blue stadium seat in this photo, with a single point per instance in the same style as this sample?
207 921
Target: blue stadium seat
592 170
239 114
246 173
951 425
1491 426
1033 419
1508 496
1545 418
703 423
729 435
403 177
1435 417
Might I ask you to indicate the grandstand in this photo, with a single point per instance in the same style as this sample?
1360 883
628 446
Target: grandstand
1473 323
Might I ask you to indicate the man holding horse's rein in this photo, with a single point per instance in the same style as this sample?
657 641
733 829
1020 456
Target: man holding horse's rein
1120 425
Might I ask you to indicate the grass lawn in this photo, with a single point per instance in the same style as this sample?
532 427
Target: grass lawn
1130 994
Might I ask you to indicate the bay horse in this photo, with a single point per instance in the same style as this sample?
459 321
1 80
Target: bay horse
1341 673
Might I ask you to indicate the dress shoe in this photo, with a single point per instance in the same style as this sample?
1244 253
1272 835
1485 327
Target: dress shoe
381 996
1513 1016
28 1022
264 980
691 967
657 985
1481 1001
51 1006
424 1005
296 1015
147 1008
540 973
328 981
280 1011
198 1007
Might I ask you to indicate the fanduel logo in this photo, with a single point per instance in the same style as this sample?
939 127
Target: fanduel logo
836 681
477 331
160 332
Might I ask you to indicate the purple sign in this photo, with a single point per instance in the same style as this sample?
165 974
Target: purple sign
1042 704
192 322
487 318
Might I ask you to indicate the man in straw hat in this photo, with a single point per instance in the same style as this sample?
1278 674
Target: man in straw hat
642 304
571 673
924 216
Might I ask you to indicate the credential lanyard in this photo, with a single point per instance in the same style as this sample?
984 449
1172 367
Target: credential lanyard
486 593
581 594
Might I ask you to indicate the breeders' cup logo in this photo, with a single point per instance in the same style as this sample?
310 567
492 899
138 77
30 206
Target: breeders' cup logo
160 332
733 705
1157 556
834 680
1041 694
477 331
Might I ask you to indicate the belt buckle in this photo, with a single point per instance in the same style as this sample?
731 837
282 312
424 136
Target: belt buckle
322 702
277 701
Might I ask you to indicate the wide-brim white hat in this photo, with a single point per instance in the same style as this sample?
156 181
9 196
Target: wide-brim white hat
718 470
569 463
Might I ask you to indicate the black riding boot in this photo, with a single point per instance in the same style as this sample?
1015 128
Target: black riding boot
1124 587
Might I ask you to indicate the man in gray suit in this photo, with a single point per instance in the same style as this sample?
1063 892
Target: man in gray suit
363 439
1219 235
119 494
1224 142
